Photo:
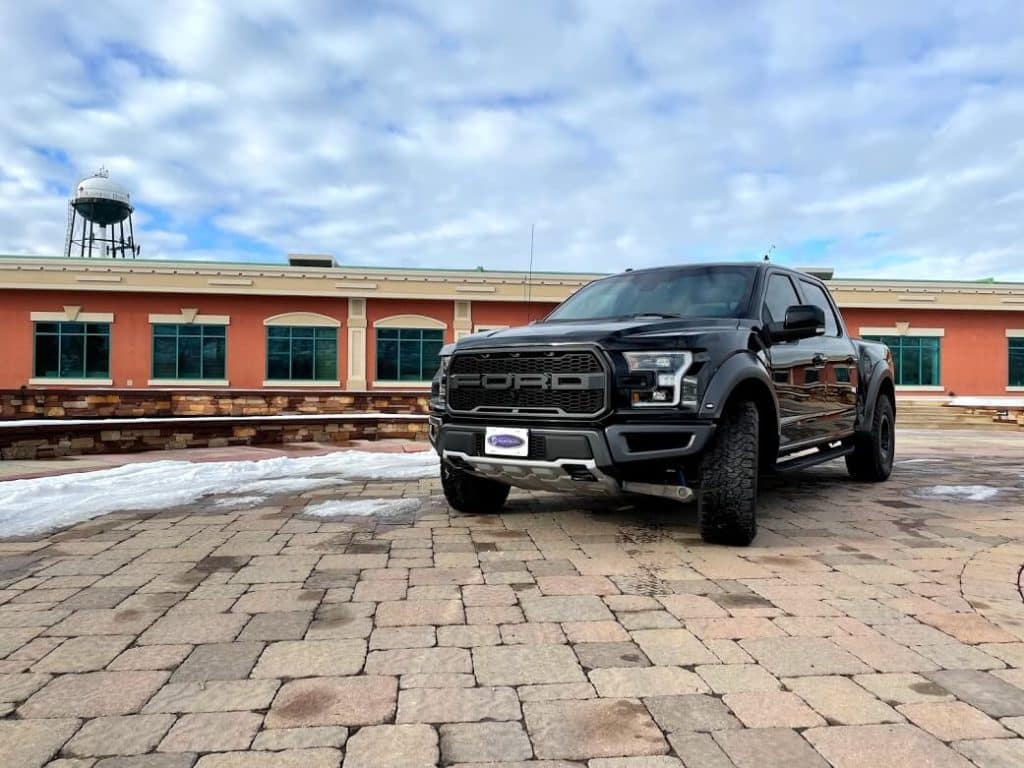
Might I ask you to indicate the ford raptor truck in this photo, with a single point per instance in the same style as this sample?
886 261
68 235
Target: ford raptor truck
683 383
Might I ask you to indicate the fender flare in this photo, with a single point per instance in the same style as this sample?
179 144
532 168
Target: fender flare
880 373
741 367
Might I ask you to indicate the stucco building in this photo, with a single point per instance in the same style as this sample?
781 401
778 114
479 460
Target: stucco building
312 326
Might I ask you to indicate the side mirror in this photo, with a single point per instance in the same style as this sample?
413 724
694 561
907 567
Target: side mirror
803 321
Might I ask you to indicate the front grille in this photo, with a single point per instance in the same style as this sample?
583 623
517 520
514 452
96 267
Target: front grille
551 390
526 362
536 402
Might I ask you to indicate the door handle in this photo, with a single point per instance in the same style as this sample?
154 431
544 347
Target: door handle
818 360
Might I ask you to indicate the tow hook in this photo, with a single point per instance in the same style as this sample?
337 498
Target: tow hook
681 493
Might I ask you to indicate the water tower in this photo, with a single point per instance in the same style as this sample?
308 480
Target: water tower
97 212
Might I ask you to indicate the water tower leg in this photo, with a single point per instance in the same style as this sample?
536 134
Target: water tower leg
81 253
71 233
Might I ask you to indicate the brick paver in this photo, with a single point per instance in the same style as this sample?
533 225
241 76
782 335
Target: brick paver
867 625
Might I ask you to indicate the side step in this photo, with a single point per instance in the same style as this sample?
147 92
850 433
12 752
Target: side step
817 456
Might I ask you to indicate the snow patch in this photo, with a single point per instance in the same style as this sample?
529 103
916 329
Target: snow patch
39 504
968 492
362 507
986 402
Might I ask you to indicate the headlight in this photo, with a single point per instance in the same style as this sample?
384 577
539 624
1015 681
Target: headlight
439 384
667 371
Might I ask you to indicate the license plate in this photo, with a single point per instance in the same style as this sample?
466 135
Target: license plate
506 441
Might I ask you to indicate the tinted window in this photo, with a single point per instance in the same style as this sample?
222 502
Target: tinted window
780 296
189 351
915 358
816 296
1016 362
300 353
407 354
688 291
72 350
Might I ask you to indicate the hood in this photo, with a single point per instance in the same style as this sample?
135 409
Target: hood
607 333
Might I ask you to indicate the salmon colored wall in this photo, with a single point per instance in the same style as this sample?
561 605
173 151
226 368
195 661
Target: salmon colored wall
510 313
973 352
974 348
131 334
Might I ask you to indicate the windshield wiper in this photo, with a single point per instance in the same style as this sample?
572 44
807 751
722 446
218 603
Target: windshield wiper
665 315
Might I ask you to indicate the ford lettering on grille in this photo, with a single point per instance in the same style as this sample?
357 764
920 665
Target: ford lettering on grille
526 380
563 383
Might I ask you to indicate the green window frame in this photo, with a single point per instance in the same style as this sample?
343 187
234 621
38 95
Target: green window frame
408 354
71 350
1015 361
302 353
189 352
917 359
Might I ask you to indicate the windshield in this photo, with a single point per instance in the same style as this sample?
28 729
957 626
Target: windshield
682 292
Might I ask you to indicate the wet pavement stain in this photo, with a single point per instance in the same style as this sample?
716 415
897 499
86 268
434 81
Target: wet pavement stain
897 504
928 689
221 563
368 548
308 705
739 600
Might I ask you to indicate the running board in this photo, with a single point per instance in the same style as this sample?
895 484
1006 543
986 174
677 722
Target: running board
819 456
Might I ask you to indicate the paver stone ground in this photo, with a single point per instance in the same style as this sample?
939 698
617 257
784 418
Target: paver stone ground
872 624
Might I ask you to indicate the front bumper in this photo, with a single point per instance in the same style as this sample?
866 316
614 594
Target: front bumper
576 460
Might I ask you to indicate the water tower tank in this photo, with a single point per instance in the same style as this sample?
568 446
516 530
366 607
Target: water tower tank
100 202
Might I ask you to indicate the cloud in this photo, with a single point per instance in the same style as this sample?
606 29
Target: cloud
881 138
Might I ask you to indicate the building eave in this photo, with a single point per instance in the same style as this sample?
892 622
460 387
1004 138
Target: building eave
186 277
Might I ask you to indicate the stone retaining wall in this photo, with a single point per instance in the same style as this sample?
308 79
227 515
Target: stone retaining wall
46 403
39 442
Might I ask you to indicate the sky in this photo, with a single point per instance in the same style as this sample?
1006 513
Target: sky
884 139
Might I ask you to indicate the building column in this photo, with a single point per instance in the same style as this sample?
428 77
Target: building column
463 325
356 345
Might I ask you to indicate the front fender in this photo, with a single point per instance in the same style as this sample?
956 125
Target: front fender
734 372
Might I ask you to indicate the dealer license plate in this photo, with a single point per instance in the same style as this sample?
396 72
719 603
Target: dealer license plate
506 441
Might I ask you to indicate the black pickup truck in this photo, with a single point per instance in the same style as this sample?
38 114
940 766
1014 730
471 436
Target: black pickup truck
676 382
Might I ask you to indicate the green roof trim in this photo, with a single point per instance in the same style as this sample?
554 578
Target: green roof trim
285 265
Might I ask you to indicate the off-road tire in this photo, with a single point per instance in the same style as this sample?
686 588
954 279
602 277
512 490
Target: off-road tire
727 500
470 494
871 460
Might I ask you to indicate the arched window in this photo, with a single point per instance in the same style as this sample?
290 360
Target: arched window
302 348
407 348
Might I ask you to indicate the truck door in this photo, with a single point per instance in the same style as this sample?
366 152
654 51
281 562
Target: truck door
796 380
835 359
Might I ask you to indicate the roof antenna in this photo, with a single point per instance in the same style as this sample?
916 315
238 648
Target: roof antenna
528 288
768 253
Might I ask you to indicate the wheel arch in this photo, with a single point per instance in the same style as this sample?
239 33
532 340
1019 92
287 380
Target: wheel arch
881 384
742 377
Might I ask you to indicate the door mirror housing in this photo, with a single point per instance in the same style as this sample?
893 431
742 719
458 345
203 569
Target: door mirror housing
803 321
